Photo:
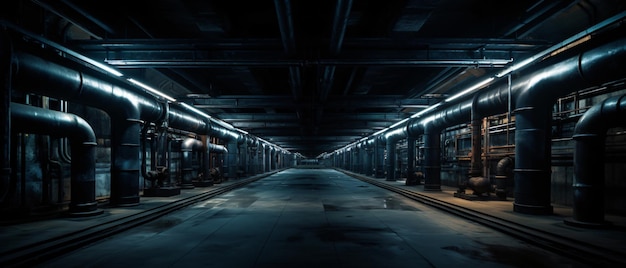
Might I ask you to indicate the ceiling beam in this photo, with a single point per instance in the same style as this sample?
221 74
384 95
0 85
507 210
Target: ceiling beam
346 102
202 45
445 59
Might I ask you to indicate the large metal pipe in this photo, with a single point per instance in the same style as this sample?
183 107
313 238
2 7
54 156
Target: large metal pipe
126 109
590 136
534 100
504 171
411 177
391 139
187 148
431 128
218 149
83 144
476 151
369 146
533 94
379 156
230 168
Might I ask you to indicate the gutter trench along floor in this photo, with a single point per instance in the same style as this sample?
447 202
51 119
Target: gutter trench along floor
304 218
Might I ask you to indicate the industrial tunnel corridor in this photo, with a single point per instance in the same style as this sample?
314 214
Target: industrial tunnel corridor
168 136
310 218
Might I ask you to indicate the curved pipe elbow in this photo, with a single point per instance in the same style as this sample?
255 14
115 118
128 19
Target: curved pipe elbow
63 82
599 118
504 167
393 136
191 144
216 148
48 122
599 65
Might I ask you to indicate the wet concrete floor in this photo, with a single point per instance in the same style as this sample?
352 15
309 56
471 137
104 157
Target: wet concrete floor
310 218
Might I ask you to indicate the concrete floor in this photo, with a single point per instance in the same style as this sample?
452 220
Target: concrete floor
308 218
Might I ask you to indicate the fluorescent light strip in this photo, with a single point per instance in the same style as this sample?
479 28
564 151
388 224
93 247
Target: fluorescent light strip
151 90
470 89
62 49
567 43
397 131
193 109
420 113
380 131
399 123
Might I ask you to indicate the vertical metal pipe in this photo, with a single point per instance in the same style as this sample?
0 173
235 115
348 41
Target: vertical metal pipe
504 171
432 161
264 149
186 148
589 154
125 162
391 160
126 109
476 152
411 178
379 157
273 158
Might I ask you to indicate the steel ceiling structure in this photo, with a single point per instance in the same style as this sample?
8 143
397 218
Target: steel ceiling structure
310 76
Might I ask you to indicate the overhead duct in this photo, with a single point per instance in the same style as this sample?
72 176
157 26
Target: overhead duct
590 136
82 142
127 109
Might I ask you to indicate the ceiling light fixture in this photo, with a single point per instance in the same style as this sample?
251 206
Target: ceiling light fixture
398 123
151 90
194 109
430 108
470 89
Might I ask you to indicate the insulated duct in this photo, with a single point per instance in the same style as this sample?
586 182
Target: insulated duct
83 144
127 110
590 136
